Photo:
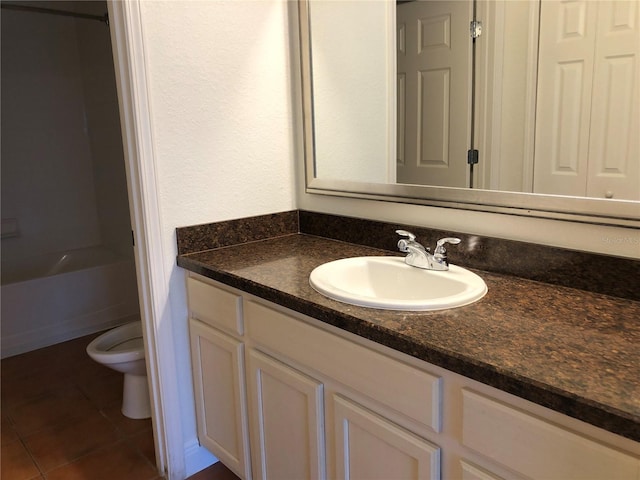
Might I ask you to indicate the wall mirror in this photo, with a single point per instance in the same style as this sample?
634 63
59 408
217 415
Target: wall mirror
525 107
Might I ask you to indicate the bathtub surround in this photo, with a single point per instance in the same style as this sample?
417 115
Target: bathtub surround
547 343
70 295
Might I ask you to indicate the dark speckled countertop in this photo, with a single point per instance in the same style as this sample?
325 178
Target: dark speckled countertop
571 350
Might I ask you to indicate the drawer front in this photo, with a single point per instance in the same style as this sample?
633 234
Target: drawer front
405 389
536 448
215 306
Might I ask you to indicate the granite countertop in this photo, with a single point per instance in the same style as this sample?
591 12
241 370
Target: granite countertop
574 351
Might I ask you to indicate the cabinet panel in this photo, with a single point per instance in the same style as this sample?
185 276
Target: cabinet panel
471 472
287 422
536 448
369 446
353 365
215 306
218 374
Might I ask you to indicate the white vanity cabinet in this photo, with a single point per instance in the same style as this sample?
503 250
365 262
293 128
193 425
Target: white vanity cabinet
317 402
217 357
324 379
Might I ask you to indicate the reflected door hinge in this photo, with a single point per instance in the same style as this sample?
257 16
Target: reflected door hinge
472 157
475 27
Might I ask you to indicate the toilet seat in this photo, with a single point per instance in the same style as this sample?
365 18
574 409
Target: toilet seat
121 344
127 345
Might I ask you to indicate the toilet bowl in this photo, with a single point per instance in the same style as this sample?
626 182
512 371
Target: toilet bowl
122 350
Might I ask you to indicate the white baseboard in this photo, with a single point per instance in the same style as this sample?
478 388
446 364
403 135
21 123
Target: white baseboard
197 458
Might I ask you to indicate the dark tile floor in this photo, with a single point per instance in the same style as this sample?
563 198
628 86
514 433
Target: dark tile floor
61 420
215 472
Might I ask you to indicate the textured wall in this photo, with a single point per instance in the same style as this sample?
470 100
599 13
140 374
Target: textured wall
220 101
63 175
47 169
219 84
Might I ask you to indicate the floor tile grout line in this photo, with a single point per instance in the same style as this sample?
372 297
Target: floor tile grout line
24 440
50 426
33 460
86 454
141 453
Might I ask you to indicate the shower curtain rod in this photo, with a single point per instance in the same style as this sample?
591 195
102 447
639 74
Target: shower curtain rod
12 6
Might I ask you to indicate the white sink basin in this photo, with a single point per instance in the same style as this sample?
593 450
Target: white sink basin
389 283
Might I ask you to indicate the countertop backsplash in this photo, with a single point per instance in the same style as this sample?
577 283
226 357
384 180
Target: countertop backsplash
609 275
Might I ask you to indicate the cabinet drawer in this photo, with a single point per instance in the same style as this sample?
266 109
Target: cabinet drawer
536 448
405 389
215 306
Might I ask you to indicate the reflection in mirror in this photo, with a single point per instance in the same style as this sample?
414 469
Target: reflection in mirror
352 84
434 92
556 104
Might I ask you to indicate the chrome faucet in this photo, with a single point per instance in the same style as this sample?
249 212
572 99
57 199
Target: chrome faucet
421 257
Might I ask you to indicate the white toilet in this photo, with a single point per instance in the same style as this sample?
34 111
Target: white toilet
122 349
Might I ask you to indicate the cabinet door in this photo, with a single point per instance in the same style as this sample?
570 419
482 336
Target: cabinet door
218 372
287 425
471 472
370 447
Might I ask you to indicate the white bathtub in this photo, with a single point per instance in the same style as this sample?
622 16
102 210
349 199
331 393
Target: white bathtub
53 298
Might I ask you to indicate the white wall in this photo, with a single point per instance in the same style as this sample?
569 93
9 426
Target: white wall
220 102
352 82
63 175
45 151
505 76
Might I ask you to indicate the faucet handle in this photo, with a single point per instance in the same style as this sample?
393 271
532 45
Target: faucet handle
440 244
406 244
404 233
451 240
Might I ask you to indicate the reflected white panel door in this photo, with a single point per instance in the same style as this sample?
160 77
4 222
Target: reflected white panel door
434 61
614 146
565 75
287 421
371 447
587 107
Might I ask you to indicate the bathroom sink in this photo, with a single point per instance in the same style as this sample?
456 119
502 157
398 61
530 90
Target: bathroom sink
389 283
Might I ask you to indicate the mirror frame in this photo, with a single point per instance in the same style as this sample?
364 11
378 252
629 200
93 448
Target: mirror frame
625 213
